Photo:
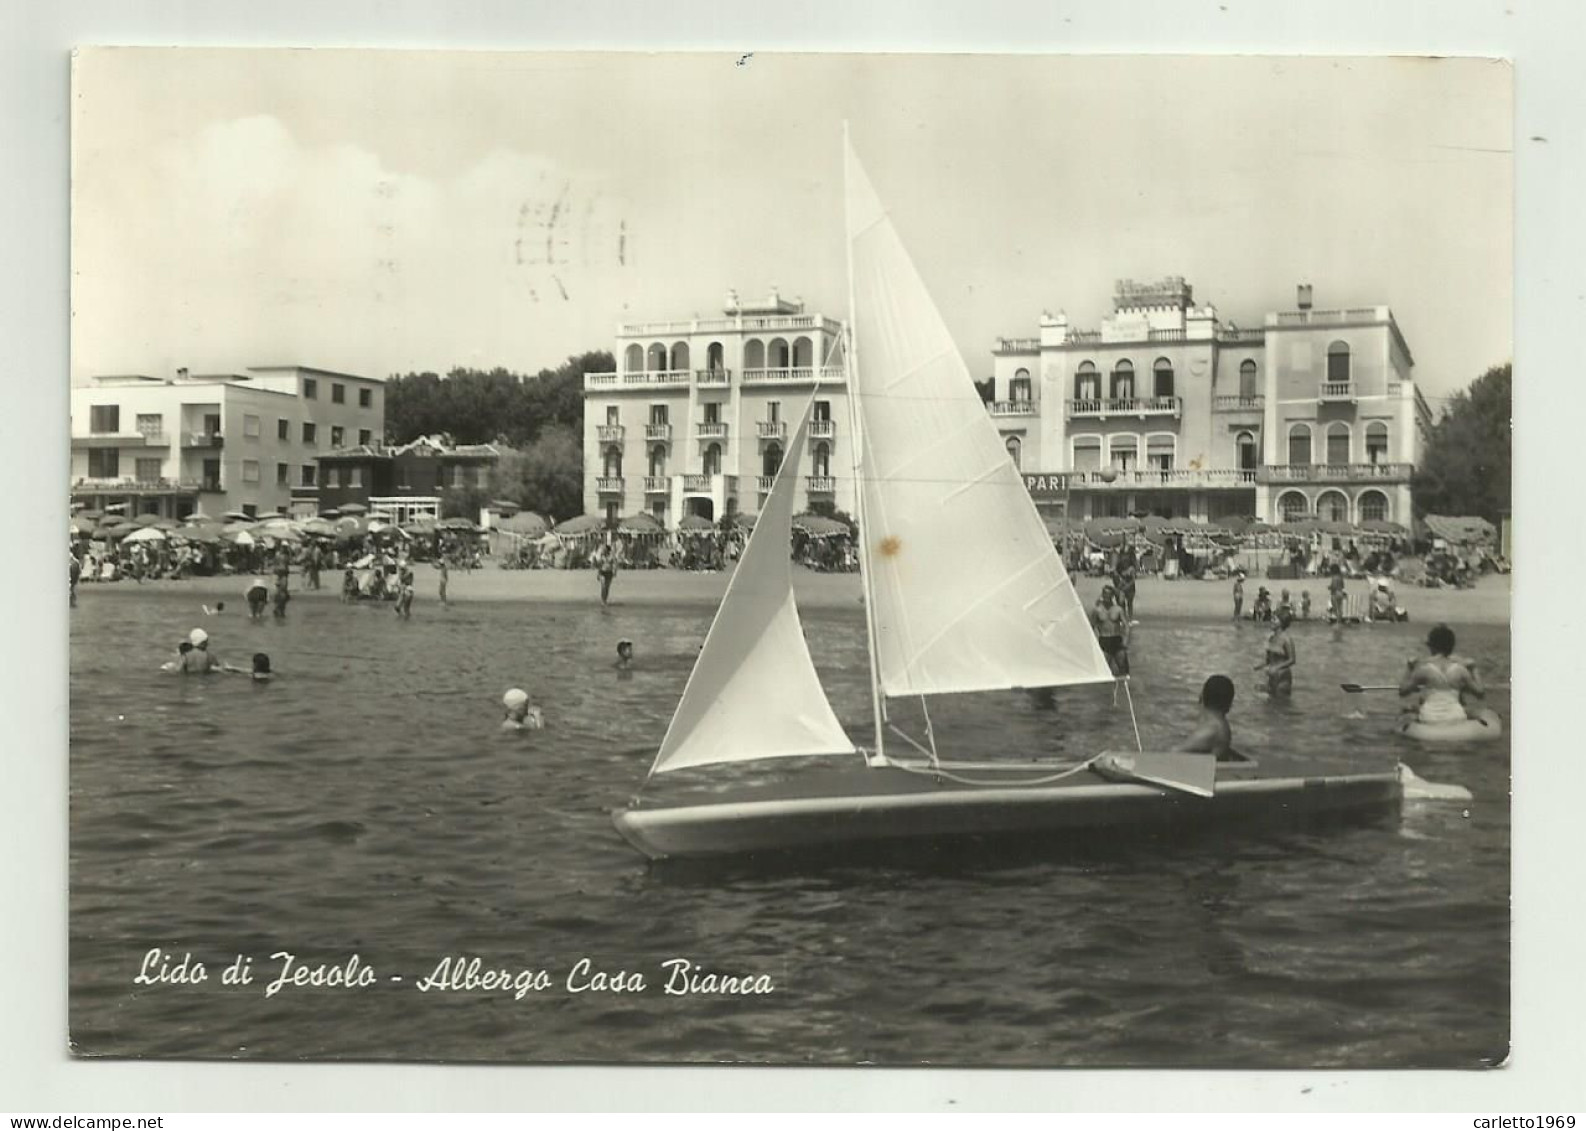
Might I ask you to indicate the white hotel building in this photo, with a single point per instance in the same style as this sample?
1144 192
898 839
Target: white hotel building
1315 413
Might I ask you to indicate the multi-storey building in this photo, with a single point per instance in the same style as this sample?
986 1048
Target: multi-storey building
1166 410
698 416
245 442
408 481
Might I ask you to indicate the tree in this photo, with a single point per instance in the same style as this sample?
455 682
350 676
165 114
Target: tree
1468 460
546 475
464 502
477 406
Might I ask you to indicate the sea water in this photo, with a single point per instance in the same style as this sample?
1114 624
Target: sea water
416 884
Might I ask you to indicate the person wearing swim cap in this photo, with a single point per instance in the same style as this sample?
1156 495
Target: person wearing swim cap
520 714
200 660
1212 734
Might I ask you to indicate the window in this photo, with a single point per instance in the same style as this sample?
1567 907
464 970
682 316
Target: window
250 471
1014 448
773 411
1332 507
363 436
1247 378
1123 381
212 424
337 434
338 393
365 398
1338 443
310 389
633 359
104 463
772 461
104 418
310 432
1246 443
283 475
713 460
148 470
821 464
658 414
712 412
823 410
1338 362
310 475
1373 507
1125 452
1087 453
613 462
151 424
658 460
356 479
1377 443
1087 382
1300 444
1162 377
250 426
613 416
283 429
1293 507
1159 451
1019 387
251 509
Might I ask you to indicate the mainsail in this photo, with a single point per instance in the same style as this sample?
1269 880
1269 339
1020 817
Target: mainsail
754 692
968 593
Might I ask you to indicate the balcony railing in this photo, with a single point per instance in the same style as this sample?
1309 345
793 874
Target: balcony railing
639 379
759 322
1335 472
764 483
657 431
1017 345
1156 477
1126 406
696 484
657 484
122 440
91 485
1165 335
713 376
1012 408
801 374
821 484
1235 403
822 429
1329 317
711 429
610 433
609 484
202 439
1232 334
771 429
1336 391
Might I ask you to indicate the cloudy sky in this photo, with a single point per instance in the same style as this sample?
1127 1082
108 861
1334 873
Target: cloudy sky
384 212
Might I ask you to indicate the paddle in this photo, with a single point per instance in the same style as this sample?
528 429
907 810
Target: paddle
1356 688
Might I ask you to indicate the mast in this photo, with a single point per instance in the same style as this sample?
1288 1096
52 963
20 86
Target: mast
856 427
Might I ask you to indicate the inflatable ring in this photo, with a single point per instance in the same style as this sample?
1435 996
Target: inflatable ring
1486 725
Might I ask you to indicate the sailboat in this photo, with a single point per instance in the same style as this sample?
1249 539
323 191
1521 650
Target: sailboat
964 593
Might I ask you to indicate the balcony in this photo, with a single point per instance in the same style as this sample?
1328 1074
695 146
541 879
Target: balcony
1337 392
610 433
795 375
609 484
711 430
822 429
657 484
1359 314
1165 335
764 483
754 322
821 485
771 429
658 432
121 440
1237 403
707 485
91 485
1139 478
641 379
1125 406
1336 473
713 377
696 484
202 439
1011 408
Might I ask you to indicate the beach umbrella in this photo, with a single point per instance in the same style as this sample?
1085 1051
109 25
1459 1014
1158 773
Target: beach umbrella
582 524
695 522
114 520
354 508
456 524
145 520
82 527
548 539
524 522
94 514
237 516
641 523
506 506
239 537
818 525
319 527
329 513
198 516
146 534
116 507
168 524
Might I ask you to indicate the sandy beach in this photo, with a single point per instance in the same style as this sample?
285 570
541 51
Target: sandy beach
1488 603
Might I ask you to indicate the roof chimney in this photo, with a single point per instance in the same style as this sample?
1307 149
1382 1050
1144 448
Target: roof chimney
1304 297
181 374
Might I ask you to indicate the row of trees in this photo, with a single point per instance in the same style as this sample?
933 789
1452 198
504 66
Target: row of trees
1468 461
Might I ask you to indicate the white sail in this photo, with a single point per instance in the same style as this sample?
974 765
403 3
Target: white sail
968 592
754 692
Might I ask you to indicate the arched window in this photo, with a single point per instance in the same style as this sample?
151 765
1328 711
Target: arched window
1338 443
1376 442
1300 444
803 353
1162 378
1019 387
679 356
1122 381
1373 506
1247 378
713 459
634 358
754 354
658 460
772 459
655 359
1293 507
821 462
1332 507
1338 362
612 461
1249 454
1014 448
714 357
777 354
1087 382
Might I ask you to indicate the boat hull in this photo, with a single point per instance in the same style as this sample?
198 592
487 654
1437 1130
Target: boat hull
748 822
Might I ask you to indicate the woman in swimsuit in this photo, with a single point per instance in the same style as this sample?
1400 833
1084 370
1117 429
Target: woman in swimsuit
1279 663
1442 681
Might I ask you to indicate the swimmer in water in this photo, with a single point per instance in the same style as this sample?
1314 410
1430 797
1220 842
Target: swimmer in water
624 654
220 607
1212 734
261 668
197 659
1444 681
1279 663
175 665
520 715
